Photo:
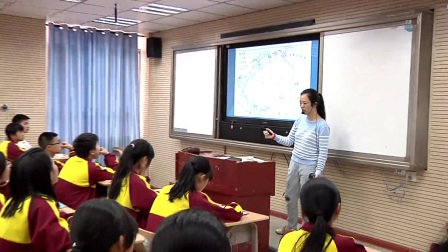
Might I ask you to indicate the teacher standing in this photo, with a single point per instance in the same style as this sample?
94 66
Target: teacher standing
309 135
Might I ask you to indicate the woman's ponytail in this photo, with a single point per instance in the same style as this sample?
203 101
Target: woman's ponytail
321 106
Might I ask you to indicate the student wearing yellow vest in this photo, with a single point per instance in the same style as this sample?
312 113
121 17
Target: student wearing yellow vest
77 181
130 187
24 121
5 170
14 133
320 202
2 201
187 193
30 220
102 225
50 142
4 179
191 230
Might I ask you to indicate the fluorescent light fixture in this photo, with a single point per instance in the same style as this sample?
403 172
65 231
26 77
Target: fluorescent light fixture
160 9
161 6
73 1
120 21
151 12
109 23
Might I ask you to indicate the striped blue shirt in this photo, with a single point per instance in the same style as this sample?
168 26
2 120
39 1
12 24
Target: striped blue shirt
310 140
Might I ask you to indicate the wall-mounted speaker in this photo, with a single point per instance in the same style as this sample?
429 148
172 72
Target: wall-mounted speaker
154 47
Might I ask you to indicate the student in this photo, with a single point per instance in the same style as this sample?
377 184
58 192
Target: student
439 247
24 121
30 220
2 201
187 193
5 171
14 133
50 142
321 203
4 179
191 230
130 187
78 180
102 225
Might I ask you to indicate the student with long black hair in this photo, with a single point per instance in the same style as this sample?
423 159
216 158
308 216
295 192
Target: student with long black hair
309 135
4 179
320 202
187 193
30 220
191 230
130 187
102 225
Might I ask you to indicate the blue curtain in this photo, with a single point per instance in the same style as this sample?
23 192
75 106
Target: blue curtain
93 85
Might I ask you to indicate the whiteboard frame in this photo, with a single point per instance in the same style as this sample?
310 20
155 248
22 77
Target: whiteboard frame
421 67
172 132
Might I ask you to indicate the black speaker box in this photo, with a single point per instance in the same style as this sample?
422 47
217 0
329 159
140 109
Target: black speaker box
154 47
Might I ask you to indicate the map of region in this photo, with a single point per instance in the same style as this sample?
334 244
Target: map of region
269 80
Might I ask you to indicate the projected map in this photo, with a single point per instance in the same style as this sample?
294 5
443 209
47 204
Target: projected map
269 80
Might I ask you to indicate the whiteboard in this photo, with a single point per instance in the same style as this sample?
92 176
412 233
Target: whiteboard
365 85
194 91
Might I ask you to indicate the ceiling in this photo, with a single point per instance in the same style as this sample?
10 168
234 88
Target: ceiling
199 11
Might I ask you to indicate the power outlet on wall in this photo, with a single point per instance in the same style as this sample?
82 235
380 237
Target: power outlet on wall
411 176
400 172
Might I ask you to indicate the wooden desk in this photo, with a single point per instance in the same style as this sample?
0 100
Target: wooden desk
106 183
139 239
139 244
61 157
245 230
67 210
251 217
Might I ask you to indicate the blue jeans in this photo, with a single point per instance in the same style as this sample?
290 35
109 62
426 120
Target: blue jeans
298 175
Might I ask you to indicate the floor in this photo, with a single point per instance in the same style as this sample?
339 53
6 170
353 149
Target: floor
274 238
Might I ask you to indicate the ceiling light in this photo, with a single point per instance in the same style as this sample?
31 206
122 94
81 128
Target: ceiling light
73 1
120 21
110 23
161 6
160 9
151 12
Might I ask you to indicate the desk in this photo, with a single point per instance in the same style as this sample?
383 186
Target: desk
245 230
67 210
142 236
106 183
139 239
61 157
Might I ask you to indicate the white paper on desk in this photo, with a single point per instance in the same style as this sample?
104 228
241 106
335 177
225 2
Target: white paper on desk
251 159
